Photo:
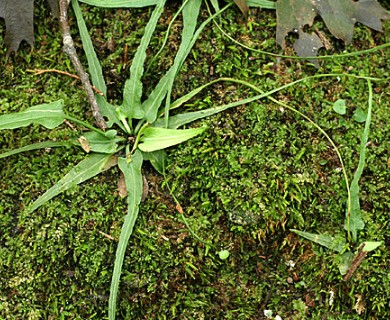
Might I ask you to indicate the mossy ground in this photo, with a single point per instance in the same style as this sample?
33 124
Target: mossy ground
257 172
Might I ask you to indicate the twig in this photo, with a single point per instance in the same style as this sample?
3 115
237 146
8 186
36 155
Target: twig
106 235
71 75
70 50
356 261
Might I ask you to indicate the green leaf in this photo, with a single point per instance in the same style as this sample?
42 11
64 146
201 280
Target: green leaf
334 243
353 218
371 245
134 183
133 87
86 169
190 16
95 70
121 3
359 115
265 4
223 254
160 138
48 115
344 262
157 159
96 142
36 146
340 107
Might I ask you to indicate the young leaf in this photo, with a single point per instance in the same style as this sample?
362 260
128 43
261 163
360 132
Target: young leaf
223 254
133 87
334 243
344 262
371 245
190 16
160 138
353 219
86 169
340 107
48 115
359 115
134 183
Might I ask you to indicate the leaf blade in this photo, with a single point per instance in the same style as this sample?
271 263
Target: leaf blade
84 170
132 92
121 3
153 102
95 70
49 115
134 182
334 243
154 139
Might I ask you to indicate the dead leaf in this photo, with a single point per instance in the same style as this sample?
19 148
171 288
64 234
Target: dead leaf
243 7
84 144
360 305
307 45
122 190
19 16
340 18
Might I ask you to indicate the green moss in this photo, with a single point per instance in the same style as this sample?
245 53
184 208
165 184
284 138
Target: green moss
255 173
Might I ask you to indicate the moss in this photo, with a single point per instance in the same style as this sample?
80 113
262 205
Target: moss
257 172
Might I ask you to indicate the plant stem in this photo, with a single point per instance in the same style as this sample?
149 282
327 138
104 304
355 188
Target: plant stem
85 124
335 56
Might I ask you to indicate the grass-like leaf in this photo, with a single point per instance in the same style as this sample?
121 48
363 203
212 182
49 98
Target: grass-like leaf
86 169
160 138
121 3
95 70
36 146
353 219
49 115
134 183
338 244
190 17
133 87
265 4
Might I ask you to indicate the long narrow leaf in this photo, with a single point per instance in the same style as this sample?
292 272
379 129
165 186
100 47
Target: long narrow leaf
95 70
121 3
48 115
133 179
190 16
36 146
133 87
160 138
265 4
353 219
86 169
334 243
